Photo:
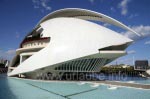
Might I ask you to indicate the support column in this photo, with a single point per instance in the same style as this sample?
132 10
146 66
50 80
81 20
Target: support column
20 59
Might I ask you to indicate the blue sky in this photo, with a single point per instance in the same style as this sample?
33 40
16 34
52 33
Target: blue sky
18 17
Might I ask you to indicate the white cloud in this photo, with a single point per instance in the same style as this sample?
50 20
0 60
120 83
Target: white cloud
144 31
124 6
112 9
11 52
36 3
147 43
7 54
17 35
125 61
92 1
132 16
131 52
44 4
41 4
106 24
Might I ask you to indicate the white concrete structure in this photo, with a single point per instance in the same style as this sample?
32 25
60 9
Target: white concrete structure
65 41
148 71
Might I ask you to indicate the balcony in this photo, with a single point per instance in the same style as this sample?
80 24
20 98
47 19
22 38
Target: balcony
34 45
34 41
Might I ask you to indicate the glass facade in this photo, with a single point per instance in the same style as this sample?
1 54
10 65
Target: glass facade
84 65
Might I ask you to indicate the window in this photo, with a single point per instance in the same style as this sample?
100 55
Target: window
41 35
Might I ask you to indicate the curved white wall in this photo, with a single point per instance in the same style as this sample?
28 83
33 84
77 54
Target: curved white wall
70 38
148 71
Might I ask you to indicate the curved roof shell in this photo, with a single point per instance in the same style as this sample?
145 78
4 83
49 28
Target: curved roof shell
86 15
71 38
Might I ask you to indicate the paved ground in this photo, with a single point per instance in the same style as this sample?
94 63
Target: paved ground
124 84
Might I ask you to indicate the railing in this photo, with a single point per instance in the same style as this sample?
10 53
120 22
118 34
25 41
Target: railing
33 39
35 44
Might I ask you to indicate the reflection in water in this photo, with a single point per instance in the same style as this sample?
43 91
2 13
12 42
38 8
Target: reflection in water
5 91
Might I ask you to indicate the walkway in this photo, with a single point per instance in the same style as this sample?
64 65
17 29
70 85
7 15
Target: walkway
134 85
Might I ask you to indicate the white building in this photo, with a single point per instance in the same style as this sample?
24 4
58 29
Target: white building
66 41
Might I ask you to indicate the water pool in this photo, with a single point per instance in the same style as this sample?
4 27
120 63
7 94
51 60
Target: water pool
11 88
129 79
